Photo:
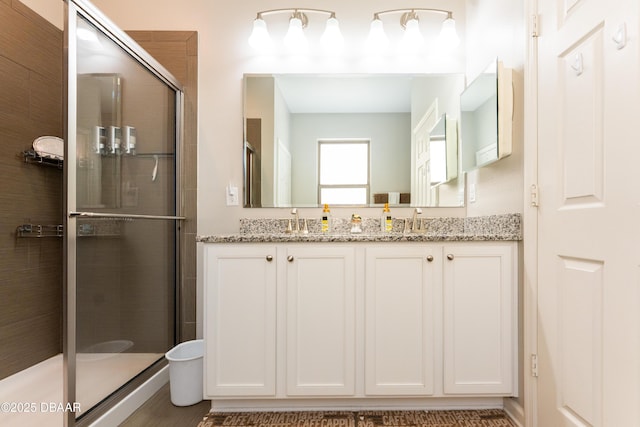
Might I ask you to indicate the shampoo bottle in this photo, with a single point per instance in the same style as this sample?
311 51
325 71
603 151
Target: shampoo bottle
386 222
326 219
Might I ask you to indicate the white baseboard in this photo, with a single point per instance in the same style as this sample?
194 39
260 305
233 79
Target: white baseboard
515 411
399 404
127 406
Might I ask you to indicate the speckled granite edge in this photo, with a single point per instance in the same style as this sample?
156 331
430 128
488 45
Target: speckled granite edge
484 228
510 224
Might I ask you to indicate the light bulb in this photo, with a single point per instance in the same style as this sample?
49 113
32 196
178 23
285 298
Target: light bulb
260 39
295 40
448 38
412 39
332 40
377 41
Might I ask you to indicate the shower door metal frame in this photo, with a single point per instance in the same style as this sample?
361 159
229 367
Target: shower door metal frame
86 10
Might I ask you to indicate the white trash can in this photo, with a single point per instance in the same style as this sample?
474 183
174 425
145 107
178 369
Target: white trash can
185 372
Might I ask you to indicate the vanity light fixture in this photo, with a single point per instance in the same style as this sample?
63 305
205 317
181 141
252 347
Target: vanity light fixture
412 39
295 40
260 38
377 40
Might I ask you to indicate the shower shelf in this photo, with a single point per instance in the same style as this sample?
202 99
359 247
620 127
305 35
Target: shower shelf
37 230
31 156
84 230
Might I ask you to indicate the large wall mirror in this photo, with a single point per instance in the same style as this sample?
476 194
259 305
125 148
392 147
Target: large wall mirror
352 140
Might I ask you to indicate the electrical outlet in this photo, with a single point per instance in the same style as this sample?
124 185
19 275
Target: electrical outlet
232 196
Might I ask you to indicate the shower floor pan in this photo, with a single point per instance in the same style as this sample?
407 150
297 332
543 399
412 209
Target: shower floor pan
33 397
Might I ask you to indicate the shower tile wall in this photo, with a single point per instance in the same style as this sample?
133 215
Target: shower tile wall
31 95
129 312
125 282
178 52
123 293
100 295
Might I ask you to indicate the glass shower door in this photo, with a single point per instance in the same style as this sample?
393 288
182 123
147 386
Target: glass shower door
122 225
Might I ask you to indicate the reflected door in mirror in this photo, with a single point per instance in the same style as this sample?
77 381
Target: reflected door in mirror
252 172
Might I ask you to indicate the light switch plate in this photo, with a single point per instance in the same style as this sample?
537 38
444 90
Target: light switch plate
232 196
472 193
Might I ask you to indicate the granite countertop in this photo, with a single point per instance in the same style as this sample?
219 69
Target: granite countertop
486 228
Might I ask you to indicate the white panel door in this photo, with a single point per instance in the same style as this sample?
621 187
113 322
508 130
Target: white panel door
588 147
321 320
480 322
421 158
240 320
401 314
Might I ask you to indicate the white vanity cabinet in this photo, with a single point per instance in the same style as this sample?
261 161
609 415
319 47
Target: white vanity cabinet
320 288
360 320
240 320
401 314
480 318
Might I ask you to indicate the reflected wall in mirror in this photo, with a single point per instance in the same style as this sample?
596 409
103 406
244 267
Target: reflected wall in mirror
486 111
444 150
288 116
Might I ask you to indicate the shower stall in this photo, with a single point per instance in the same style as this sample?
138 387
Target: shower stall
120 227
122 216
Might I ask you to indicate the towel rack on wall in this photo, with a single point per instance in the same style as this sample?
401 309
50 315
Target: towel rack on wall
38 230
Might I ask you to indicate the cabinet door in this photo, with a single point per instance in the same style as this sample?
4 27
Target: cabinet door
240 320
400 313
479 319
320 332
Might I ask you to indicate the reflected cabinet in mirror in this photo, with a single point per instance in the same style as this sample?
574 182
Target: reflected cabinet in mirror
358 140
486 116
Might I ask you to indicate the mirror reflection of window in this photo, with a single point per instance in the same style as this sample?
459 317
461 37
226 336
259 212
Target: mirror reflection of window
343 172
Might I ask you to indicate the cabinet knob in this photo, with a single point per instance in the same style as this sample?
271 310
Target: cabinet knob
450 257
290 258
430 258
269 258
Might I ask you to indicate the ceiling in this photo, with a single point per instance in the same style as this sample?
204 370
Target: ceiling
346 93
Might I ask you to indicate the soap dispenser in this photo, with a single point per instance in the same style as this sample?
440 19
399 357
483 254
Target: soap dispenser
326 219
386 222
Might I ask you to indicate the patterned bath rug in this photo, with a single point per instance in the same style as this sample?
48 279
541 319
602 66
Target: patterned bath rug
455 418
279 419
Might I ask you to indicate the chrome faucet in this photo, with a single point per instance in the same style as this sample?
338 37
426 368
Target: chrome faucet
294 211
415 228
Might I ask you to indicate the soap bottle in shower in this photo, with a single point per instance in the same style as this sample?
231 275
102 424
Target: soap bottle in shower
326 219
115 139
386 221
